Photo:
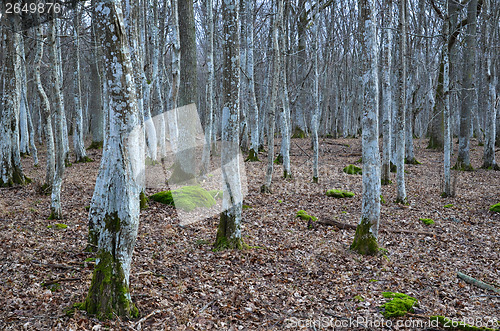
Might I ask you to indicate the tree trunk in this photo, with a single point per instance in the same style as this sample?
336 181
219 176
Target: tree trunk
447 192
489 161
78 143
401 110
60 153
387 91
210 91
365 239
229 231
96 86
11 170
468 93
252 101
274 92
316 111
117 216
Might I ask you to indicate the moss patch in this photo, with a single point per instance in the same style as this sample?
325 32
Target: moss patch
382 200
400 304
495 208
95 145
448 206
427 221
186 198
339 194
246 207
216 194
298 133
57 226
143 200
351 169
305 216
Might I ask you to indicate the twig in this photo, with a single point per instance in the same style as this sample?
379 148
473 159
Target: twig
142 320
206 306
478 283
50 282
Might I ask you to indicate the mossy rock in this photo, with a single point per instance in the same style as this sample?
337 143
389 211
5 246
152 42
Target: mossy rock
339 194
351 169
186 198
495 208
400 305
305 216
427 221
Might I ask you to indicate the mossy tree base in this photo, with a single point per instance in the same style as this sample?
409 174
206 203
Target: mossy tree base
17 178
299 133
228 236
365 242
287 175
461 166
109 294
253 156
143 200
412 161
265 189
96 145
489 166
278 159
315 180
84 159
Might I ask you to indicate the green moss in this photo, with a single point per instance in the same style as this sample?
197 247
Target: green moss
278 159
351 169
96 145
306 217
246 207
287 175
495 208
84 159
143 200
382 200
359 298
364 242
315 180
90 259
427 221
225 234
187 198
360 160
109 295
202 242
253 156
460 166
458 325
339 194
412 161
400 304
53 287
57 226
46 189
448 206
298 133
280 201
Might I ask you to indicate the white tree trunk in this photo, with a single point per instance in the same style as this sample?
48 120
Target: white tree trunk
205 168
78 143
316 111
229 231
59 123
252 101
489 161
447 192
401 109
387 92
365 239
11 170
274 92
115 204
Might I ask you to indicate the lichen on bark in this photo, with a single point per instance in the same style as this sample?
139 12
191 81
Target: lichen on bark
365 242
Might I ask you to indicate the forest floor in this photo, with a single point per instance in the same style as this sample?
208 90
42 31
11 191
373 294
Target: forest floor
293 277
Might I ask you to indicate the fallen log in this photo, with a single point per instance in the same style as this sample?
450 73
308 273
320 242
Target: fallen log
477 283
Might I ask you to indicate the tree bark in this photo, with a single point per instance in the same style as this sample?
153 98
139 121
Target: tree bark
116 215
229 231
387 91
366 236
